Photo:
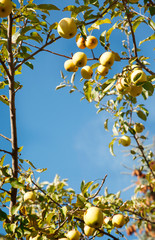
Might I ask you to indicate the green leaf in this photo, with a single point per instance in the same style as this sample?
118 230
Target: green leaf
106 124
20 149
141 115
30 163
47 7
29 64
111 144
72 78
41 170
15 208
2 160
64 211
152 37
4 99
149 87
86 186
3 215
15 184
60 86
110 31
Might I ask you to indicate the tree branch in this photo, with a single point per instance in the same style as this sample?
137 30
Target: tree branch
1 135
1 150
94 195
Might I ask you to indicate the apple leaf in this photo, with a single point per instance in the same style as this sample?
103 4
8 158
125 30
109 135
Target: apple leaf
152 37
47 7
86 186
2 160
106 124
141 115
3 215
111 144
15 208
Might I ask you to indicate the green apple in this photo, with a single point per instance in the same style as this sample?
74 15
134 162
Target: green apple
5 8
102 70
107 59
70 66
88 231
118 220
91 42
135 90
122 86
87 72
125 141
73 235
93 217
80 59
29 196
67 28
139 127
138 76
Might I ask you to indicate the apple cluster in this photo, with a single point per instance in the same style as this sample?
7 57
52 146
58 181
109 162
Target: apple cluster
131 83
67 29
5 8
93 223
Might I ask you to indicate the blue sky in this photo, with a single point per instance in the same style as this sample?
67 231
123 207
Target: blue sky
62 133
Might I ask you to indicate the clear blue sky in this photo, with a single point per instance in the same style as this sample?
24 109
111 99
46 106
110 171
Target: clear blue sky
62 133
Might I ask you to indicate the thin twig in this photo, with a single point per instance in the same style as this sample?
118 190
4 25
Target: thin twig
4 190
95 194
46 194
2 150
5 137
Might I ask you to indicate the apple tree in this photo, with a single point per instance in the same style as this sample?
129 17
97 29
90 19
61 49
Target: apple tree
31 209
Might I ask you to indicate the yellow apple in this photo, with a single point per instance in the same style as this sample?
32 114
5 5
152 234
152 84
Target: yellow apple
93 217
67 28
118 220
135 90
81 43
102 70
73 235
138 76
87 72
70 66
136 67
107 59
139 127
80 59
122 86
133 1
125 141
88 231
29 196
5 8
152 165
91 42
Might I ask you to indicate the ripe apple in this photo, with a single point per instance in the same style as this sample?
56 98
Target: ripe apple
29 196
118 220
88 231
136 67
102 70
125 141
70 66
81 43
122 86
107 59
5 8
87 72
138 76
152 165
135 90
139 127
93 217
80 59
67 28
91 42
73 235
